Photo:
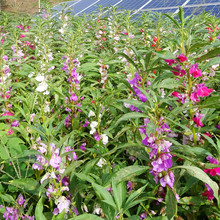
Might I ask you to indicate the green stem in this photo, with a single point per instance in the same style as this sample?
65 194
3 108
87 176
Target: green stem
191 111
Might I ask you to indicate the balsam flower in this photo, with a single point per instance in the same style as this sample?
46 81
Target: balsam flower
55 159
182 58
194 71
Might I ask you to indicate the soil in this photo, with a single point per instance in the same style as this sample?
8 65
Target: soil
25 6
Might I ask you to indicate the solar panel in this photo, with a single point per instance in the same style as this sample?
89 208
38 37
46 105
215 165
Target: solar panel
164 6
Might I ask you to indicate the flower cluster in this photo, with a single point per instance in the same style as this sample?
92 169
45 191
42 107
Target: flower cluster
159 153
14 213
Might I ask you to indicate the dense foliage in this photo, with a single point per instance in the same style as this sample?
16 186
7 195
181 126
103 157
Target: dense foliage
110 117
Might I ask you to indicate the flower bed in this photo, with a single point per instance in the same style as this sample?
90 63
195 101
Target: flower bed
109 117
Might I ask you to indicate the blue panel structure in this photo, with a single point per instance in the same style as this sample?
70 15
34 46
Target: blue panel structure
131 4
164 3
93 7
80 7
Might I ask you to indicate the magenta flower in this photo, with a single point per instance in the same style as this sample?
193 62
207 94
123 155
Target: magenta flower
194 71
73 97
203 90
197 119
170 62
209 192
96 136
55 159
194 97
182 58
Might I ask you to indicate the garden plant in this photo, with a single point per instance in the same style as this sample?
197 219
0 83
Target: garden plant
105 116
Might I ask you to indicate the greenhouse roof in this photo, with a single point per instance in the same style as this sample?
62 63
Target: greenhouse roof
79 7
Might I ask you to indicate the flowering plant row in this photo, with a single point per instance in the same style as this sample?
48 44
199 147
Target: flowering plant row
109 118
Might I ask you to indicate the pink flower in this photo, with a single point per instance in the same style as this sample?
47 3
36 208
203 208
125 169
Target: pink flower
96 136
197 119
73 97
195 71
203 90
170 62
182 58
213 172
7 114
194 97
10 132
175 94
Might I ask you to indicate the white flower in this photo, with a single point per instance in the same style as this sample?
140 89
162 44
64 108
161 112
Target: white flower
46 176
47 107
93 124
31 74
42 87
104 138
61 30
39 78
63 204
91 113
101 162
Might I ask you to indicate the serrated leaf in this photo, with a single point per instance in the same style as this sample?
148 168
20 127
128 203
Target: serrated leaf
87 217
171 204
39 210
201 175
128 172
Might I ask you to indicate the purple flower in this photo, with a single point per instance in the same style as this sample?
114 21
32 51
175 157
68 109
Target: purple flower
20 200
75 211
11 213
143 215
15 124
212 160
55 159
82 147
67 122
86 123
65 181
168 179
142 97
129 186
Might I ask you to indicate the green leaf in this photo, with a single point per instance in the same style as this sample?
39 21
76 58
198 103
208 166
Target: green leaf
39 210
169 84
7 198
104 194
129 116
181 16
119 193
87 217
213 61
28 184
133 196
212 53
201 175
131 171
171 204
